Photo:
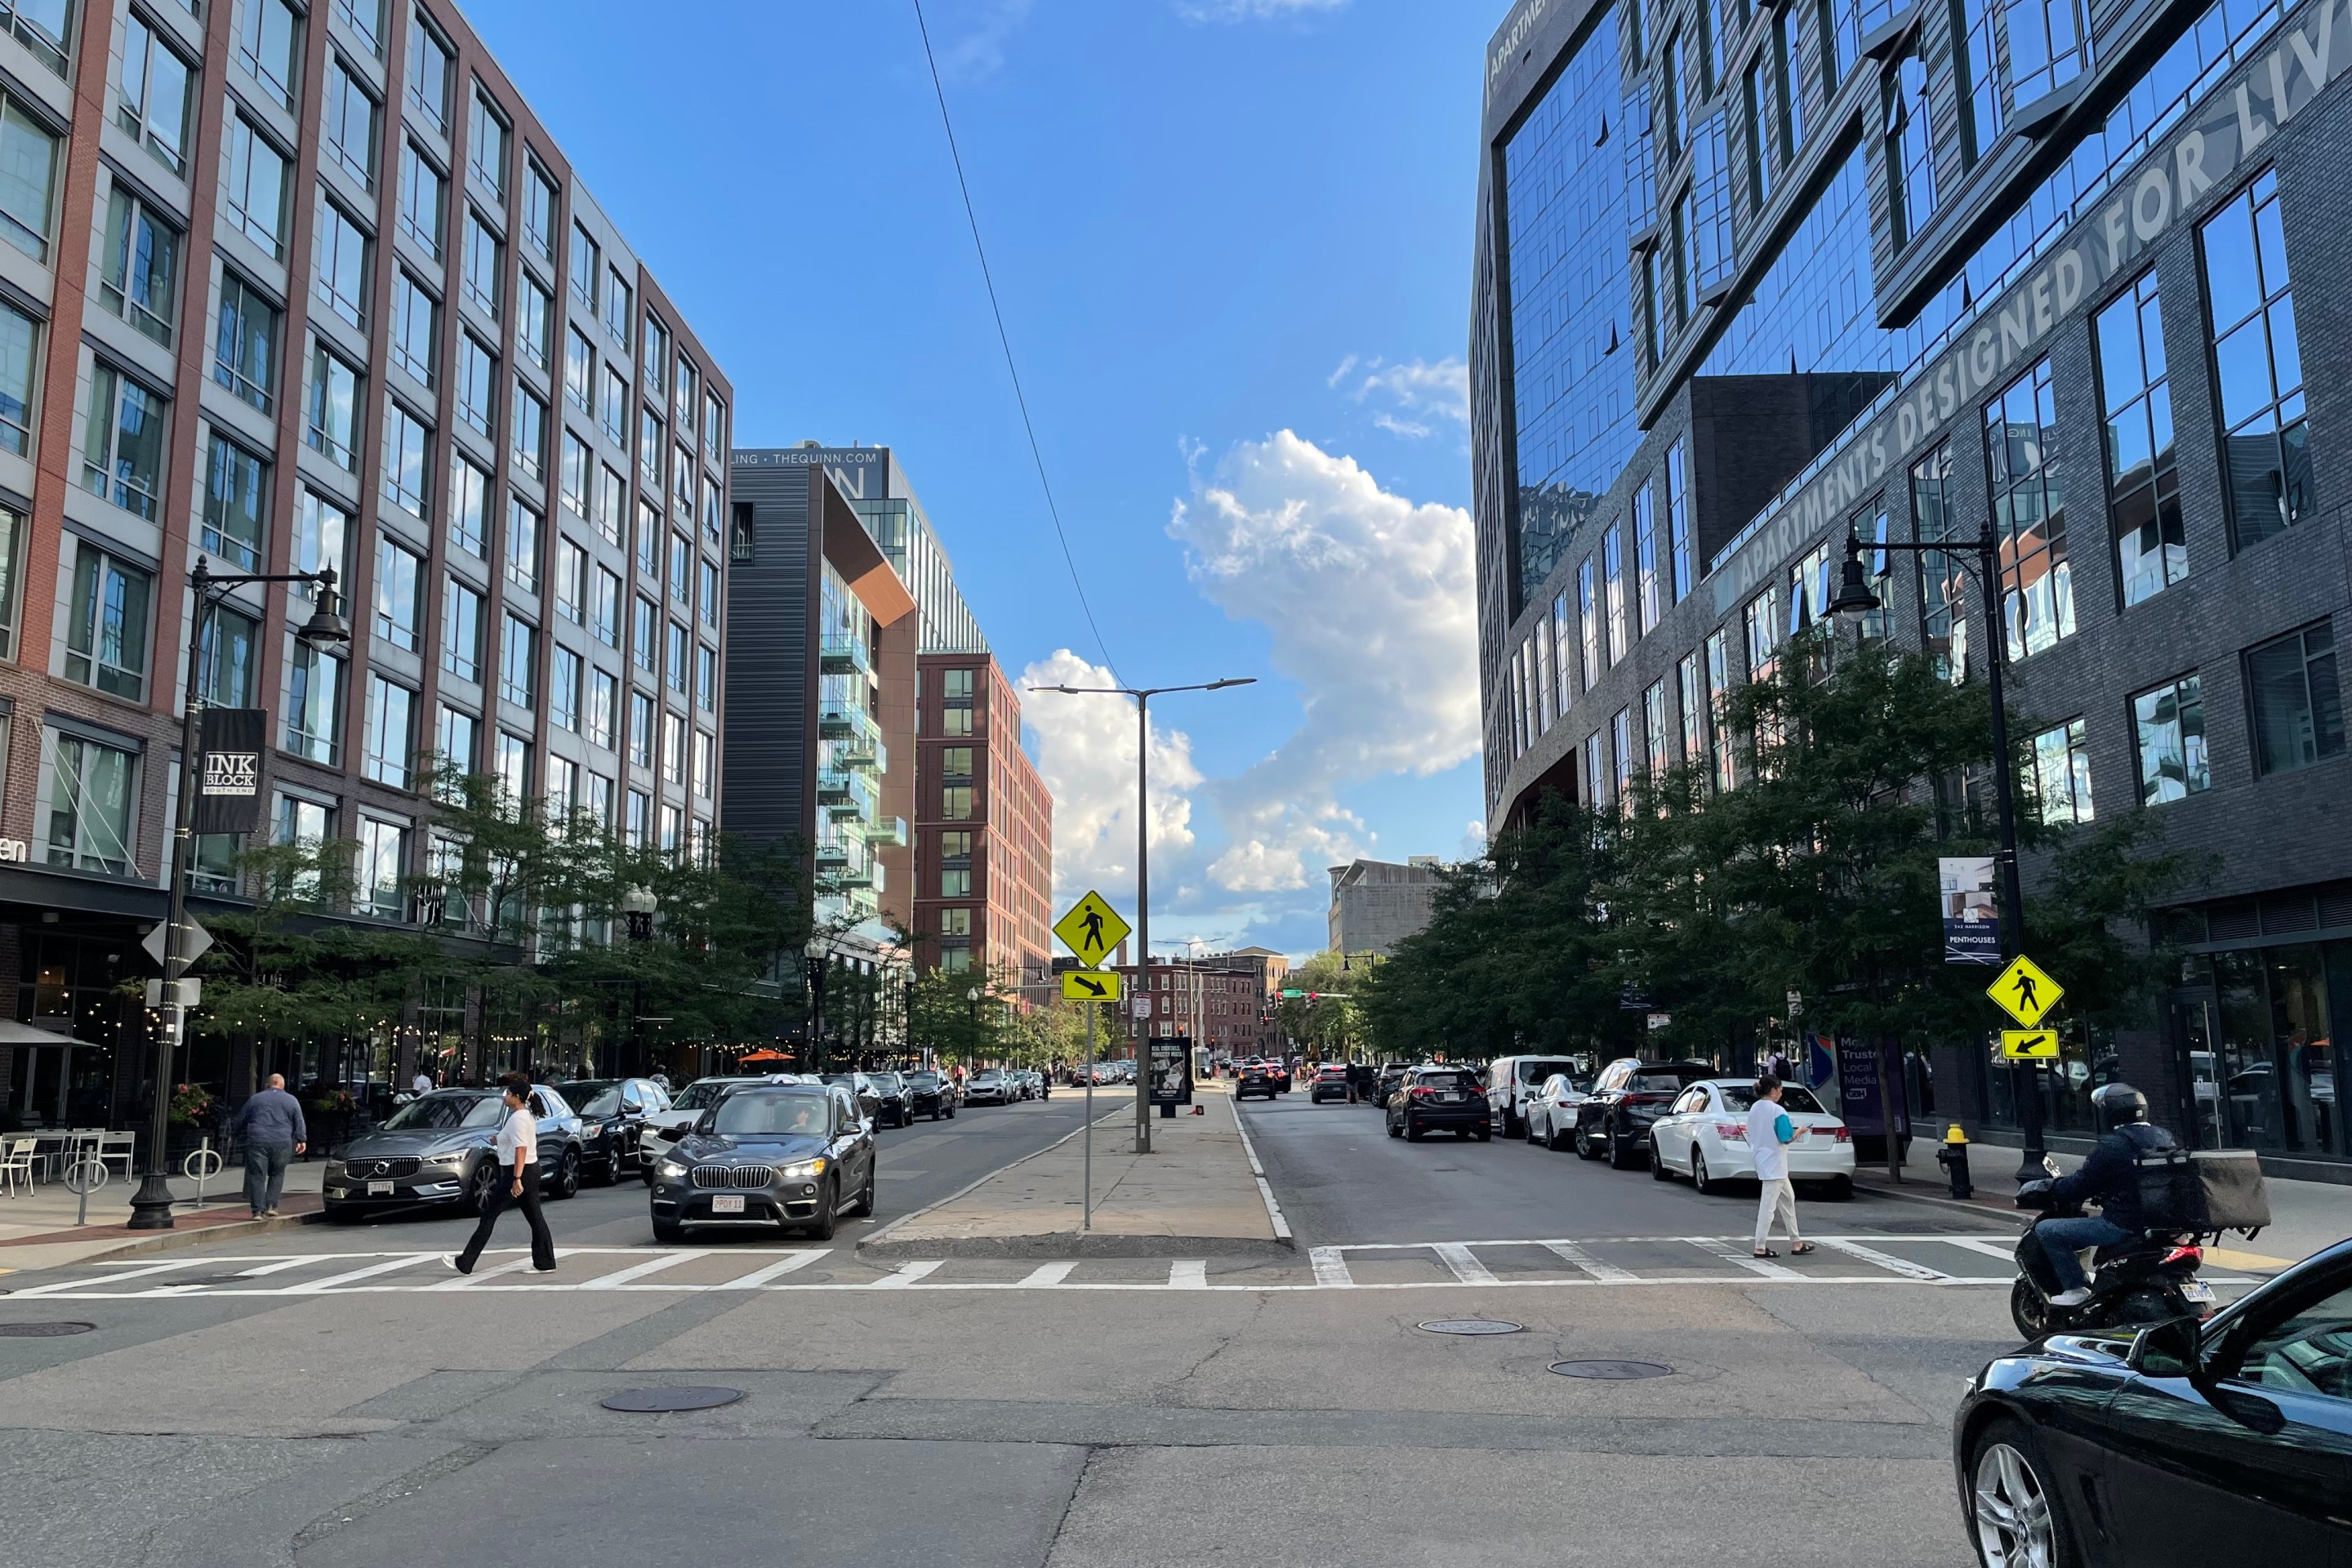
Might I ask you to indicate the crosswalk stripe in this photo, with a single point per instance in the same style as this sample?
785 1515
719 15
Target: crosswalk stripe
1990 1250
758 1277
1048 1274
619 1277
1729 1253
1330 1264
1887 1261
467 1281
1464 1263
279 1268
1606 1273
906 1273
1188 1274
313 1286
109 1279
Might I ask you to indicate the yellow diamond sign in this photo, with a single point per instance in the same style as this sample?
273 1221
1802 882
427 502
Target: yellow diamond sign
1092 929
2030 1044
1092 985
2025 992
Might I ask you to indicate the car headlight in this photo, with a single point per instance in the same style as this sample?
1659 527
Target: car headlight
670 1169
452 1160
807 1169
591 1130
334 1170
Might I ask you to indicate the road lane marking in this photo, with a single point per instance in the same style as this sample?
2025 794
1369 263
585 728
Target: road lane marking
1464 1263
277 1268
619 1277
1606 1273
1887 1261
109 1278
467 1281
1265 1187
758 1277
1047 1274
1188 1274
1747 1260
405 1260
1990 1250
1330 1264
905 1274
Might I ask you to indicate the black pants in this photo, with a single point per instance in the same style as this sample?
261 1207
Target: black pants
542 1244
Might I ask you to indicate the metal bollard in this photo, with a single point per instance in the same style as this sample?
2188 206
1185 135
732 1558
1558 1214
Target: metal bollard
1954 1157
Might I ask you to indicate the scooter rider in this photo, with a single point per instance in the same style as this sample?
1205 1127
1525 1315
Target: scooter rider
2110 1178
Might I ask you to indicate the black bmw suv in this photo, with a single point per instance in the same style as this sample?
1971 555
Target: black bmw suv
769 1156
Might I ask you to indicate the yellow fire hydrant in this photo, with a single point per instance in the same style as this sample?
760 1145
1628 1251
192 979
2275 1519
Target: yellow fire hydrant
1954 1157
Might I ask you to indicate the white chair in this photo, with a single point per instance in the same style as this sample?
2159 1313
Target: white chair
16 1165
123 1146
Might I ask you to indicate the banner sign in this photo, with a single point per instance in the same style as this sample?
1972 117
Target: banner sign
1862 1090
228 790
1171 1070
1971 918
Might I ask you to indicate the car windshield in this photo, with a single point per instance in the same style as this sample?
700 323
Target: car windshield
770 1116
444 1112
594 1096
703 1093
888 1082
991 1076
1657 1083
1564 1082
923 1079
1793 1096
1536 1070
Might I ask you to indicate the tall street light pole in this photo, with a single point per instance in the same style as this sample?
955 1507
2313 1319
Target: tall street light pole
1143 695
150 1207
1982 556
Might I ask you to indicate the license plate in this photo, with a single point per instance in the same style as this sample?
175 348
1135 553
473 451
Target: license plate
379 1189
727 1206
1449 1097
2196 1290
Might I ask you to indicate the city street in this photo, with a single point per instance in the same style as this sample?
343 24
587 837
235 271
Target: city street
1129 1410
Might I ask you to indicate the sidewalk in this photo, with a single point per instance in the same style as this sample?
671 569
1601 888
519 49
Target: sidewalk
1193 1195
2306 1217
42 1230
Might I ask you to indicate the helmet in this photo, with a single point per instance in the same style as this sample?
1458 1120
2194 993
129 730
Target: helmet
2118 1103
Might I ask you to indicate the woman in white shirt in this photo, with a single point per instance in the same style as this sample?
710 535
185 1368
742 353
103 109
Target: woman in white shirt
517 1151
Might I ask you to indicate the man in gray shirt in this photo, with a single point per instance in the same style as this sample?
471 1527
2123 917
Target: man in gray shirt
270 1123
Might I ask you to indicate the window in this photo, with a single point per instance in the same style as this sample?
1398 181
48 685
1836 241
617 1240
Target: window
1562 644
351 124
382 862
461 631
684 396
2045 47
89 800
538 210
12 537
714 428
314 703
584 268
365 19
648 540
428 76
641 730
469 509
2298 708
1588 613
955 763
2143 484
613 413
1943 581
477 387
420 200
458 740
303 825
616 306
706 749
645 635
407 459
1841 43
269 48
339 258
245 346
1718 693
640 824
579 371
1646 557
605 615
255 196
122 441
673 825
1977 81
225 657
43 26
1612 575
2029 515
484 264
1787 74
237 500
649 452
332 418
681 483
612 492
604 707
535 322
711 509
1621 740
29 167
530 431
571 582
1658 735
654 354
563 786
2061 772
511 765
682 568
706 677
1688 690
140 278
2258 366
388 704
566 674
416 328
673 749
487 149
399 607
676 662
955 802
1763 147
1910 157
518 664
522 546
710 594
152 93
2172 760
1760 624
319 526
1679 542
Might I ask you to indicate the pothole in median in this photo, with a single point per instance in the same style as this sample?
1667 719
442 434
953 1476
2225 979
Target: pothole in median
1613 1371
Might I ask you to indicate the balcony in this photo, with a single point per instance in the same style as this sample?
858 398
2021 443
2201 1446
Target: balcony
850 725
832 854
848 795
844 655
887 832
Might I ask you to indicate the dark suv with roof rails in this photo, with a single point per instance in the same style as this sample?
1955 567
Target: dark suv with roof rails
1439 1099
1615 1120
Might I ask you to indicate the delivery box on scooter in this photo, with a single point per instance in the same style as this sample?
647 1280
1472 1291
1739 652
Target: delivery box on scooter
2211 1190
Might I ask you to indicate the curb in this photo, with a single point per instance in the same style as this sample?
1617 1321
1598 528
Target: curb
882 1236
1066 1244
173 1240
1264 1188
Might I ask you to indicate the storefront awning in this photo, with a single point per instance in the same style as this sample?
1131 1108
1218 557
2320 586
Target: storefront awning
15 1033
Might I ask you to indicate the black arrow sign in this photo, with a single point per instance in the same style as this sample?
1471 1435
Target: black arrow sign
1095 987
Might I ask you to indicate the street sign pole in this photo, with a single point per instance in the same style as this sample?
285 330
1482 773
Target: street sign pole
1087 1199
1143 914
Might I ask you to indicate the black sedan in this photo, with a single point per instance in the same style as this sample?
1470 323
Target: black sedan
440 1148
2224 1441
770 1156
1431 1099
613 1112
1614 1116
894 1102
861 1089
930 1094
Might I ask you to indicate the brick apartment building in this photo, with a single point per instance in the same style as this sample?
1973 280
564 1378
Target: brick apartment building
983 890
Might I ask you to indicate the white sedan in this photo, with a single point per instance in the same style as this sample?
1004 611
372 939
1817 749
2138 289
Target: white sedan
1551 1114
1704 1136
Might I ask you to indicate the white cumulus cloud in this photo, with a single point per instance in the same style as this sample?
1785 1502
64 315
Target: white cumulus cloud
978 52
1085 750
1369 602
1410 398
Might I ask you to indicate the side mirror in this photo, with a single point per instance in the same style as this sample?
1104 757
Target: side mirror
631 1108
2167 1350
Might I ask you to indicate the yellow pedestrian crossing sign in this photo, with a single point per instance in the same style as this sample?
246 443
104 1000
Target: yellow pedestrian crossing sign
1092 985
1092 929
2030 1044
2025 992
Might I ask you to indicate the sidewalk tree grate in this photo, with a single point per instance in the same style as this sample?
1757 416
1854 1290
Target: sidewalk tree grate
42 1331
1470 1326
661 1401
1613 1371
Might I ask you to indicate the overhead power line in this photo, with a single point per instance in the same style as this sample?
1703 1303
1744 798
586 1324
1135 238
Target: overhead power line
1004 339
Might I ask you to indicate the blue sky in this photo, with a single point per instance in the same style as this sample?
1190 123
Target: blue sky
1231 239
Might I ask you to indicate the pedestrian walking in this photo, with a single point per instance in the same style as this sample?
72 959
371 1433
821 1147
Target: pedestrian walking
271 1127
517 1151
423 1084
1770 1133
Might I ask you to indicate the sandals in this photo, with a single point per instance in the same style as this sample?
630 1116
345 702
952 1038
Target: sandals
1768 1252
1801 1249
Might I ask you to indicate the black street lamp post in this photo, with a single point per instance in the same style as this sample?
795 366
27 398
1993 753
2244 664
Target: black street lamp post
1982 555
150 1207
815 956
638 906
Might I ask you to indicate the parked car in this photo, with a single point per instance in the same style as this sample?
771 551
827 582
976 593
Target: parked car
1330 1083
1435 1099
772 1155
2184 1442
861 1089
1628 1095
1393 1075
930 1094
987 1087
1703 1135
893 1101
1260 1077
1041 1084
1551 1114
440 1148
613 1112
1512 1081
662 1128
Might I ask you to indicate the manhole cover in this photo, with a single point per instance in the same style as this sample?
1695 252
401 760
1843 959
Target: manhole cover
656 1400
43 1331
1611 1370
1470 1326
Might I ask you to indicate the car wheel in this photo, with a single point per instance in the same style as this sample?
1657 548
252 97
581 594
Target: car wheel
823 1227
1485 1134
608 1174
1584 1149
1552 1136
1658 1171
1699 1178
2029 1310
567 1175
865 1195
481 1188
1620 1157
2017 1516
1530 1123
669 1231
1412 1132
1395 1131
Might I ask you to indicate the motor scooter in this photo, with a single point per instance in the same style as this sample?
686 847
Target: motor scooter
2150 1277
